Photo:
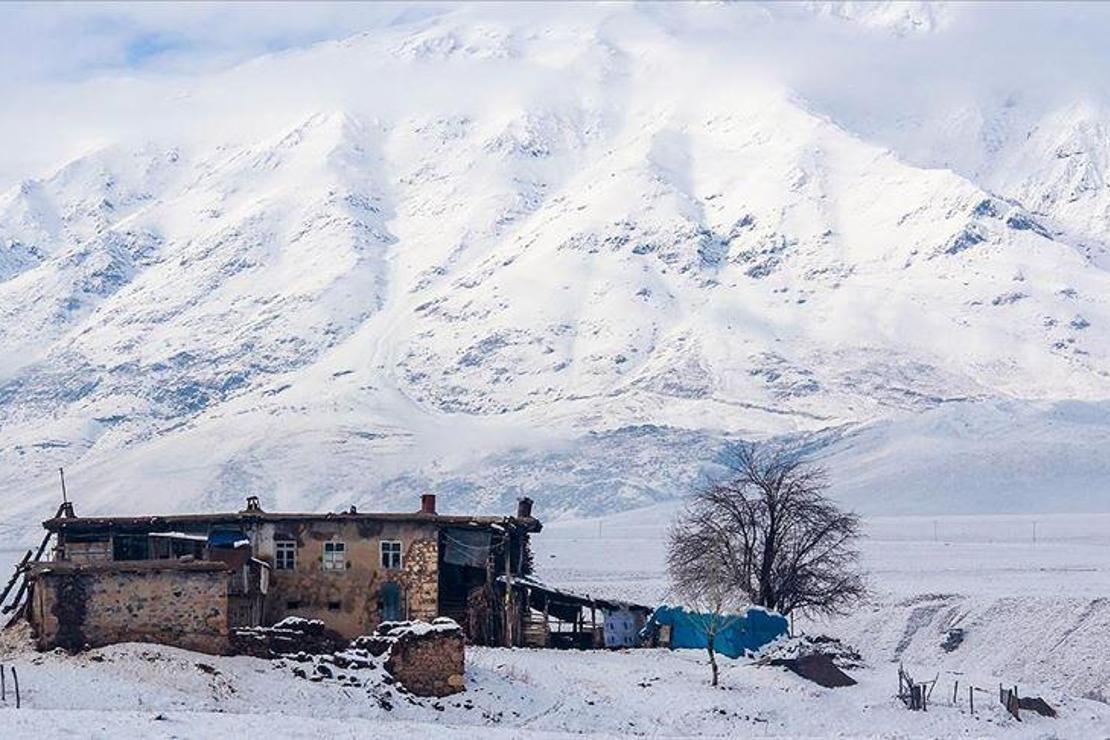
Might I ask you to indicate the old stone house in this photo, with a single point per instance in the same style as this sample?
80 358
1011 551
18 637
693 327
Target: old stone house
190 579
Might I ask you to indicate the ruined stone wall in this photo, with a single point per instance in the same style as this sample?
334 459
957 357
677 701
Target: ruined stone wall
429 665
428 659
180 604
349 600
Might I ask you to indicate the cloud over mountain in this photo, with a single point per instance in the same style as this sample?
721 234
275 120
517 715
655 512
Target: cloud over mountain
569 252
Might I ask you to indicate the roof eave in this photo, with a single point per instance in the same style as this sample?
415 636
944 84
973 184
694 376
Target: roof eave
57 524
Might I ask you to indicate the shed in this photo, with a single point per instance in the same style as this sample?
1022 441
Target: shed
562 619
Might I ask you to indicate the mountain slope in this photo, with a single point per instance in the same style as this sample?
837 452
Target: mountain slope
579 280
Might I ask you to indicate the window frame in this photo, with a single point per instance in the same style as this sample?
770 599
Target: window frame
394 557
338 556
285 554
129 545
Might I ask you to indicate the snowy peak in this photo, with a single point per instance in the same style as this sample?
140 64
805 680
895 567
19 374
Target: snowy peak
31 225
465 271
901 17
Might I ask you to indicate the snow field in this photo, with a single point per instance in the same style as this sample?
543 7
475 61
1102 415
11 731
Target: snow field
1033 616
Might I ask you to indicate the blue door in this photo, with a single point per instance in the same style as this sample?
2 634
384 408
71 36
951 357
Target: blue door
392 604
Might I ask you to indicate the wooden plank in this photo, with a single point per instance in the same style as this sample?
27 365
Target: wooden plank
22 566
18 598
46 539
15 576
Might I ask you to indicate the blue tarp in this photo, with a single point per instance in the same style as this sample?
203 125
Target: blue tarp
227 538
736 633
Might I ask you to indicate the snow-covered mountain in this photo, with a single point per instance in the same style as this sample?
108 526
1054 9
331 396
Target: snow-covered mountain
569 253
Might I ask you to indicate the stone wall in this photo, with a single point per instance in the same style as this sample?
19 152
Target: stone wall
420 578
349 600
427 659
183 604
290 636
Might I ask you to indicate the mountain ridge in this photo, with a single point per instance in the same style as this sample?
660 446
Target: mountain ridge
354 306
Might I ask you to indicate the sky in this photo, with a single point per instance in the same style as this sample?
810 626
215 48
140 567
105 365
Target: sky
74 76
44 42
78 60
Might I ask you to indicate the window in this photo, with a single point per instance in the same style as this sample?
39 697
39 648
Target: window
130 547
334 606
285 555
335 555
391 554
173 546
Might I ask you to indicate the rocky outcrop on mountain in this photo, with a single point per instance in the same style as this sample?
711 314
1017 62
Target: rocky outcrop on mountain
584 295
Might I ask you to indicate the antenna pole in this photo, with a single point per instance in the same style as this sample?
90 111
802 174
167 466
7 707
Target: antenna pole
62 474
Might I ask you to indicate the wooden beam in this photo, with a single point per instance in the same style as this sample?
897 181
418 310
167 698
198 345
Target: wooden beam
15 576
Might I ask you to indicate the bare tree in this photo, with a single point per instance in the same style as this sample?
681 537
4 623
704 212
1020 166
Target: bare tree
766 533
707 589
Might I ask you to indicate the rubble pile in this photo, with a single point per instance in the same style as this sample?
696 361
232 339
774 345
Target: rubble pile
426 658
842 655
419 658
289 636
820 659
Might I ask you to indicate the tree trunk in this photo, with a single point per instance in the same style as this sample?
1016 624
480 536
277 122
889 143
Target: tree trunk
766 567
712 660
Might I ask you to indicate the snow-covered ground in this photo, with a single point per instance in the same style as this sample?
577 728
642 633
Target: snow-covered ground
573 252
1034 615
986 555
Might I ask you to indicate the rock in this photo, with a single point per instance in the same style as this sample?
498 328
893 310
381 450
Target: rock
818 668
1036 704
953 639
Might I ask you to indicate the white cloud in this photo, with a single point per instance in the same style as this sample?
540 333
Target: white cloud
71 74
76 75
77 40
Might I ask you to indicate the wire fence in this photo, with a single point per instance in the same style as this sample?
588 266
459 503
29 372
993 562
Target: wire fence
1078 529
1032 529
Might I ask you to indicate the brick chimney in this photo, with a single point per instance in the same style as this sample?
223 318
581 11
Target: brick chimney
428 503
524 508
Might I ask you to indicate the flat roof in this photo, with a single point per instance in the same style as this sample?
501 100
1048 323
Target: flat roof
130 566
57 524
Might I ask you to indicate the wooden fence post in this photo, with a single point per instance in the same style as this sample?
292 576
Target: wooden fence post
15 680
955 689
971 698
1009 699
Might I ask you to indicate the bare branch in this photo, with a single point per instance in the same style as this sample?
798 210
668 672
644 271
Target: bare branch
766 534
